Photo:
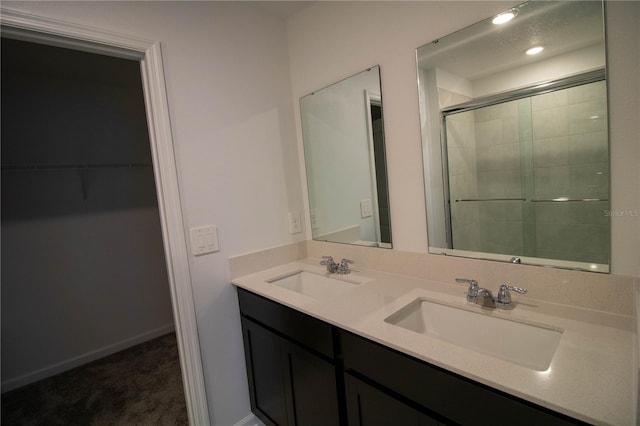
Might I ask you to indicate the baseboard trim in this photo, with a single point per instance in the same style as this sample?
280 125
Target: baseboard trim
68 364
250 420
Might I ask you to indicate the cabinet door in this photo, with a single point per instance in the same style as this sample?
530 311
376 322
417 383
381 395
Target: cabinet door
311 382
369 406
267 389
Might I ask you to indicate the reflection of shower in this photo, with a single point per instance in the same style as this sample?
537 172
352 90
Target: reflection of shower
527 173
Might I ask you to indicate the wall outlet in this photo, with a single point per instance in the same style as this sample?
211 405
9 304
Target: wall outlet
315 219
366 208
295 223
204 239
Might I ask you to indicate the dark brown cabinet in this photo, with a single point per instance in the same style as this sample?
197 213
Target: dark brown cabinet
312 387
450 398
369 406
303 371
265 373
289 384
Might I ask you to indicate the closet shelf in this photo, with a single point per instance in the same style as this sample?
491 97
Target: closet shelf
59 167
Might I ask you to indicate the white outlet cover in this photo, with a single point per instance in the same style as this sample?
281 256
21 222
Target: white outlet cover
295 223
315 219
366 208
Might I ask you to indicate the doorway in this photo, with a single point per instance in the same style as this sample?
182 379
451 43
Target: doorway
84 273
29 27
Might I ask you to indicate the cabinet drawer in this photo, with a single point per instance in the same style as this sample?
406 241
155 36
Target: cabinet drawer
456 398
303 329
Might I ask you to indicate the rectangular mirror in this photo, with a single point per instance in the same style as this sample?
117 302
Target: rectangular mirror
344 151
515 143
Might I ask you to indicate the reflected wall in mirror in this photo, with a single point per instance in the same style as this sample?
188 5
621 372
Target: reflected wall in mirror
515 145
344 150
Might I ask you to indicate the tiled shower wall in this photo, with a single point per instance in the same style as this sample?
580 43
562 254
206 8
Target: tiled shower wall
539 149
571 160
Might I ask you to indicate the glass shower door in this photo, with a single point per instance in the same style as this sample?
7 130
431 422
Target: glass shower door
529 176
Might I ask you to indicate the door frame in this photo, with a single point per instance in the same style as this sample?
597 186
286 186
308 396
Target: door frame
371 98
38 29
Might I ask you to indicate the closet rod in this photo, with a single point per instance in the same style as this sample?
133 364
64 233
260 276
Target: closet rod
55 167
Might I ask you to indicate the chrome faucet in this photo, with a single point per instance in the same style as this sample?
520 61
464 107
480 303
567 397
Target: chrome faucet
472 292
484 297
341 268
332 266
504 297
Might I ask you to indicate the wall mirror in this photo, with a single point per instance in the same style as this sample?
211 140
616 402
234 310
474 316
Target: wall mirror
515 143
344 151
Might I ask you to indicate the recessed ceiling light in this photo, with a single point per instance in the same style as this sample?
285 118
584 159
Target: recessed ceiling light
535 50
503 18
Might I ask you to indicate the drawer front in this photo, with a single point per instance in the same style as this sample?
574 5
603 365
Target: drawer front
453 397
303 329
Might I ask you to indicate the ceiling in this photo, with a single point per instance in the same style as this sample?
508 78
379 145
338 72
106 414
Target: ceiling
281 9
485 48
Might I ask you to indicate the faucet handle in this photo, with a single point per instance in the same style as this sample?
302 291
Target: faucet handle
343 268
504 297
472 292
512 288
332 267
327 260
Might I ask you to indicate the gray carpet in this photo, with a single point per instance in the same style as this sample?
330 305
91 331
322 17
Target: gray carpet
141 385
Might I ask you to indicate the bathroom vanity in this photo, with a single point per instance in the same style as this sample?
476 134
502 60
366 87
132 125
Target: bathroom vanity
358 354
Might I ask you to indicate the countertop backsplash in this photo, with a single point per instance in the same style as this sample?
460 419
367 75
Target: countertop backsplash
604 292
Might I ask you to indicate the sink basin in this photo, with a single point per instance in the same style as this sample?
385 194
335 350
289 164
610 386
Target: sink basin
527 344
314 285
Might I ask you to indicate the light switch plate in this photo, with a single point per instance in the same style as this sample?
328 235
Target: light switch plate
204 239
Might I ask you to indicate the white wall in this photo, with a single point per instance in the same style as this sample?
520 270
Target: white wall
227 78
330 40
74 288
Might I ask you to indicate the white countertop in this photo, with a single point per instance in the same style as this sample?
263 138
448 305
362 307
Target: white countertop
591 376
